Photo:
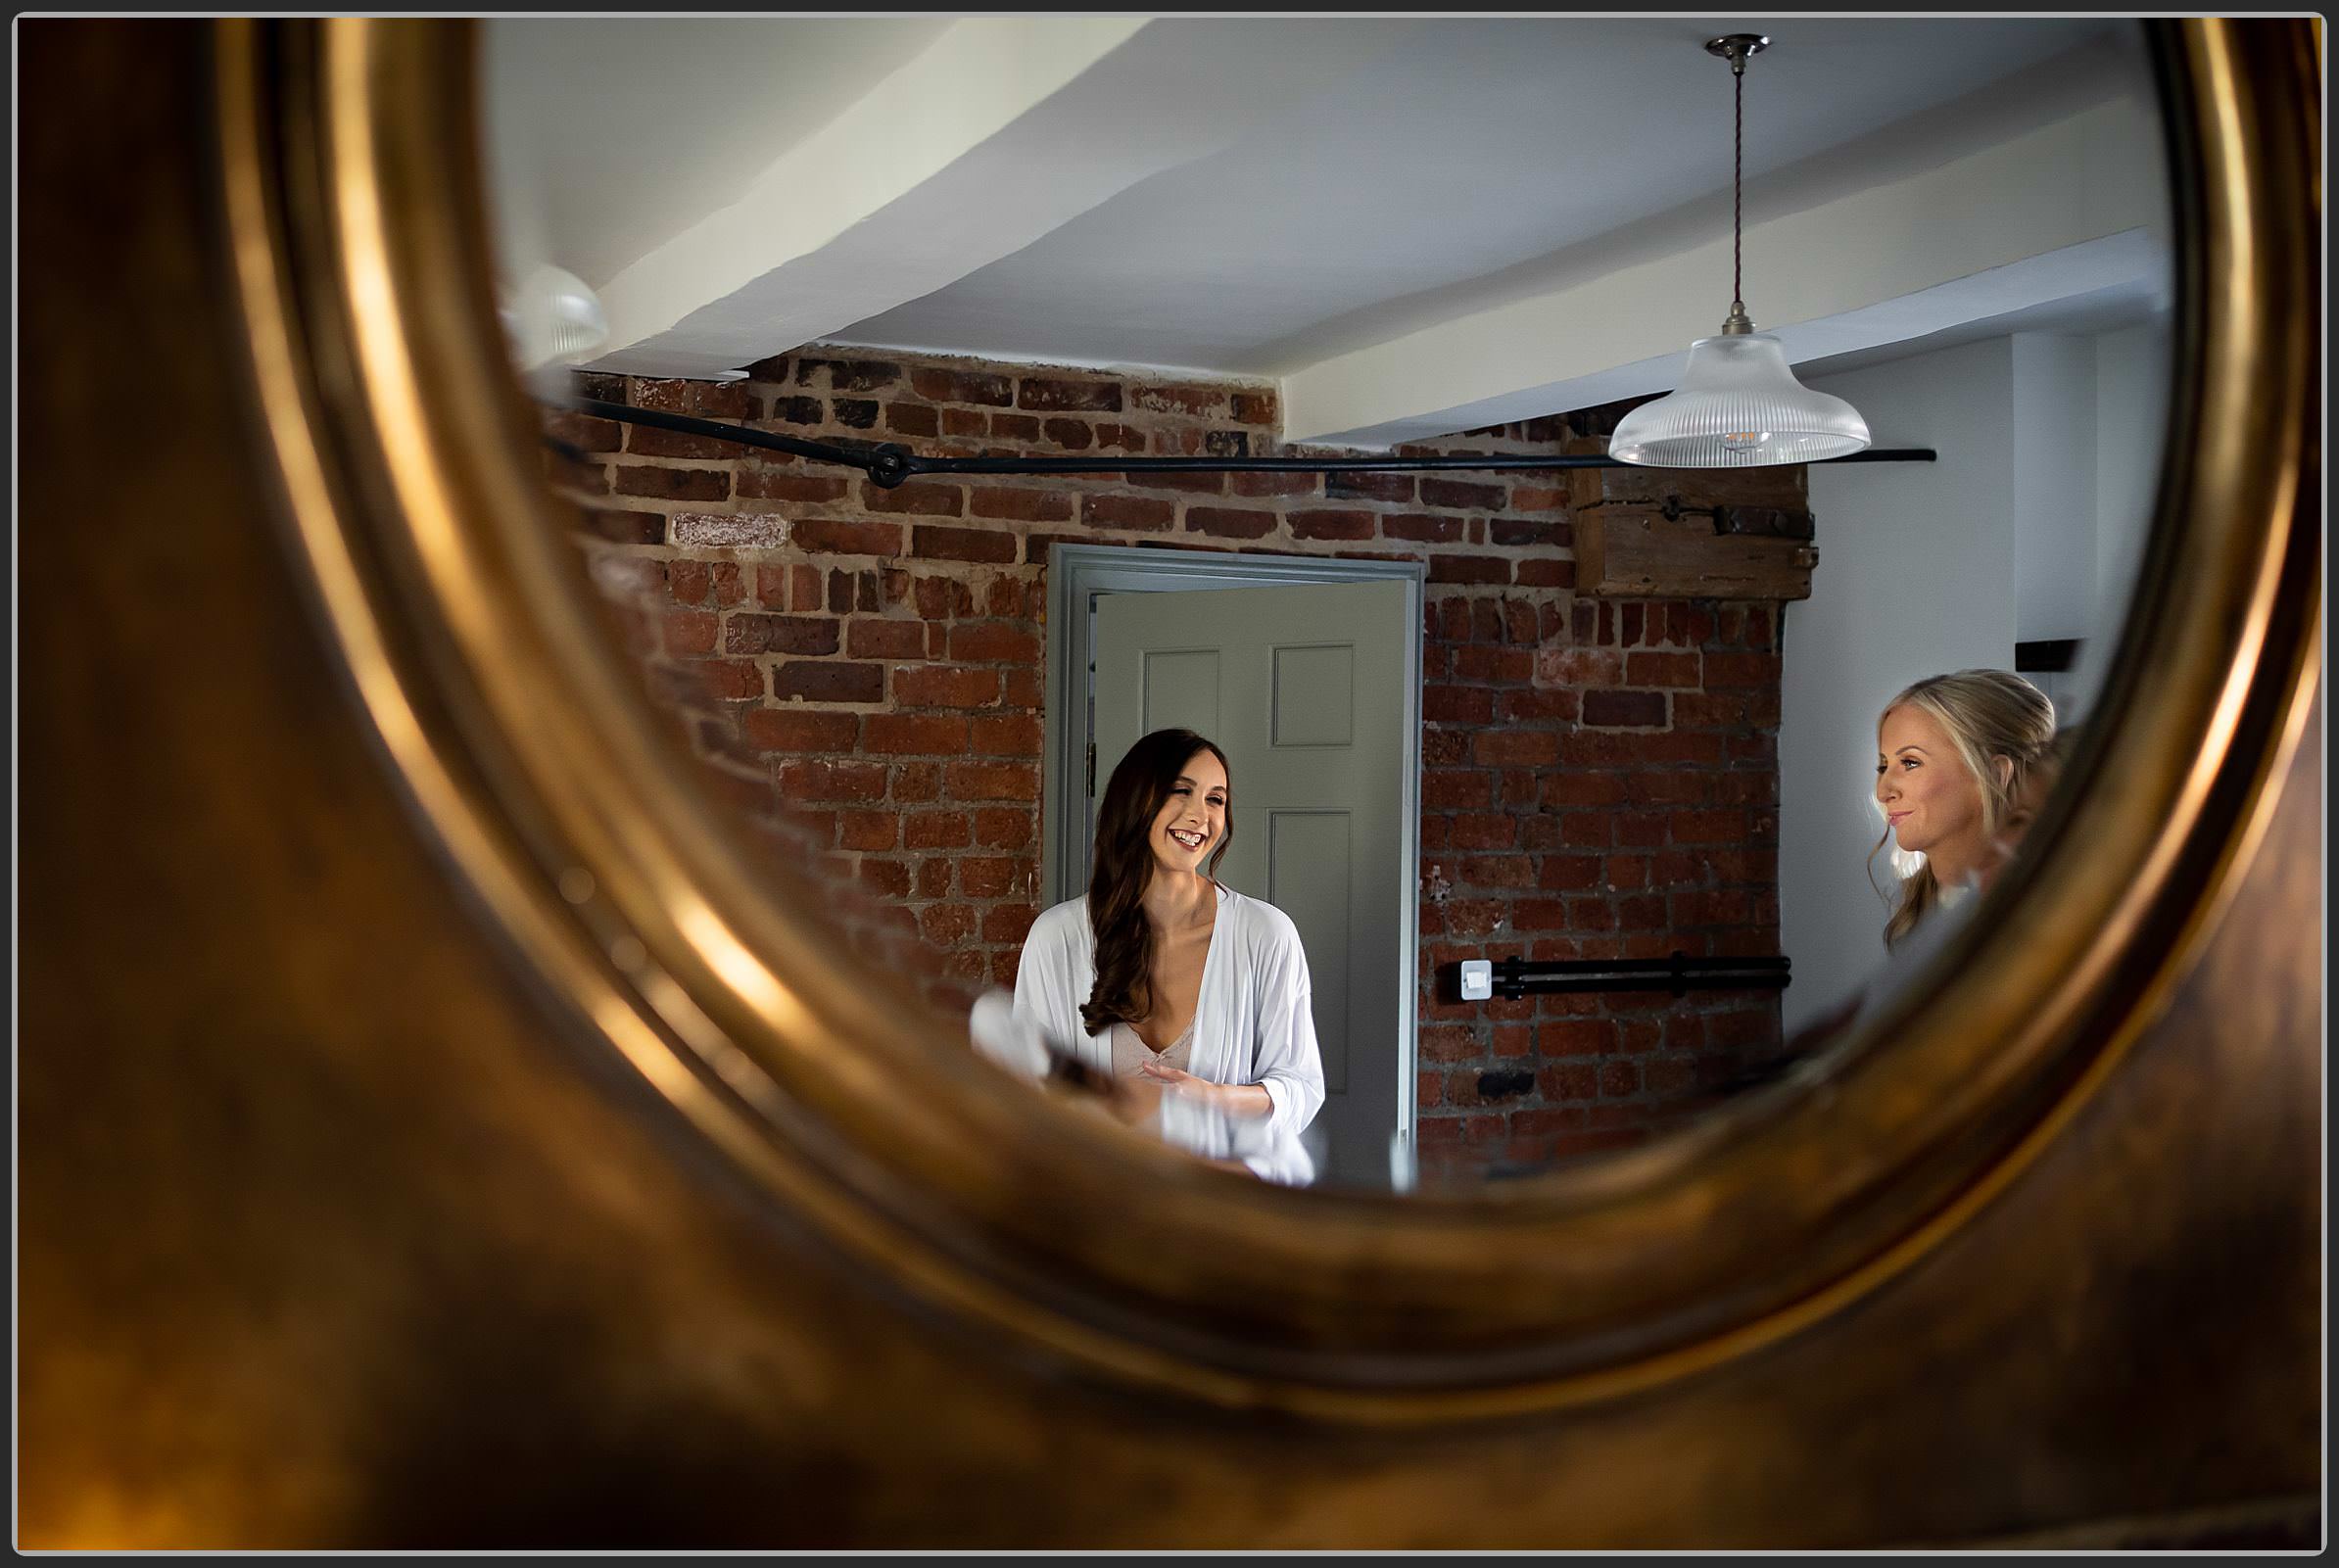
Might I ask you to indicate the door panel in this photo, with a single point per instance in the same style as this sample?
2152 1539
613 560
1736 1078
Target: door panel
1181 692
1308 878
1316 696
1304 687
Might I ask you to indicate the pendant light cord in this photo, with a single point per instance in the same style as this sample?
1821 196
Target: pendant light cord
1737 47
1738 153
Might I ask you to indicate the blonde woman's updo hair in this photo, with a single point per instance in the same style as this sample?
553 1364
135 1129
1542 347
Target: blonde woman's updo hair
1988 714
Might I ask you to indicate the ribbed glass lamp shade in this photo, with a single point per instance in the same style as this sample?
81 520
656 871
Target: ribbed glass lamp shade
555 320
1738 406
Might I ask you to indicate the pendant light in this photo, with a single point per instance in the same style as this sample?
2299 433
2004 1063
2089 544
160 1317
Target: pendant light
1739 405
551 322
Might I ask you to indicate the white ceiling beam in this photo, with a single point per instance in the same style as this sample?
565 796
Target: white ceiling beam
2063 205
974 81
1001 131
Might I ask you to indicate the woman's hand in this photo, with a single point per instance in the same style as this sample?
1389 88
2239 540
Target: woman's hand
1232 1099
1169 1077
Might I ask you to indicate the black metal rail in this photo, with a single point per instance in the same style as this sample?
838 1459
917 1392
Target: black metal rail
1516 978
889 463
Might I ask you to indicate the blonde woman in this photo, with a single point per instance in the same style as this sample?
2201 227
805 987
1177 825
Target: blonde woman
1929 809
1953 754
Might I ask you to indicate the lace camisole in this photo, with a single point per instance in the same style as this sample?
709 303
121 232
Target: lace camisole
1130 1053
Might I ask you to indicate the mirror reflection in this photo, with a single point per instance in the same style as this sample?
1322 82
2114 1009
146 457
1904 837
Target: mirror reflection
1406 827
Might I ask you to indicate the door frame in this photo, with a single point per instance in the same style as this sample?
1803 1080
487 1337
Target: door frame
1078 575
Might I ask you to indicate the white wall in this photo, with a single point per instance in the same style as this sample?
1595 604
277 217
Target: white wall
2054 486
2132 377
2054 498
1914 576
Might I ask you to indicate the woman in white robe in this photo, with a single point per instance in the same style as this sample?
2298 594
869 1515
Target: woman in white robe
1205 991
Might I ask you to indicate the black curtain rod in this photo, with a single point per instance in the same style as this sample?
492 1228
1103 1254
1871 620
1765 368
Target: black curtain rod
1516 977
888 464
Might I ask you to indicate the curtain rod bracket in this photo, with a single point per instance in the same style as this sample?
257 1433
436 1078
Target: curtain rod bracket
891 464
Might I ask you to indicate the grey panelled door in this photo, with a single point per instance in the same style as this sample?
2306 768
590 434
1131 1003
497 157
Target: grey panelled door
1302 688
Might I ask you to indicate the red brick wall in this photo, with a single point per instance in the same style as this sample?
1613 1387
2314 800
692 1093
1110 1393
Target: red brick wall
863 666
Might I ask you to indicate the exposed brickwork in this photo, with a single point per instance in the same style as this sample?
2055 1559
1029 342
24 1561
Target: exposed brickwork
863 666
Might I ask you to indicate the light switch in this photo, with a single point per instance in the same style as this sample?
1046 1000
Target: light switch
1478 980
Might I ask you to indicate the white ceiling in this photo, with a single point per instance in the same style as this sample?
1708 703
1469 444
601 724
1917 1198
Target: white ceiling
1461 149
1313 198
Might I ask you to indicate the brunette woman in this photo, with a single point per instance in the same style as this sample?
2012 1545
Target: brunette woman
1165 978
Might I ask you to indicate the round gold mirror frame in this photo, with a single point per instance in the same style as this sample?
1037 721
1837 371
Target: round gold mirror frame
351 169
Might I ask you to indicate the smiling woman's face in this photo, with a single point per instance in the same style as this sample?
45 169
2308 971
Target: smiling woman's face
1931 803
1193 819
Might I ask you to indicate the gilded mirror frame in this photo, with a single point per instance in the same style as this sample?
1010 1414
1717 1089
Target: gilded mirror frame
349 159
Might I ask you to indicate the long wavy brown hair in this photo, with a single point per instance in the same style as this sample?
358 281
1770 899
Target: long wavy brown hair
1123 864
